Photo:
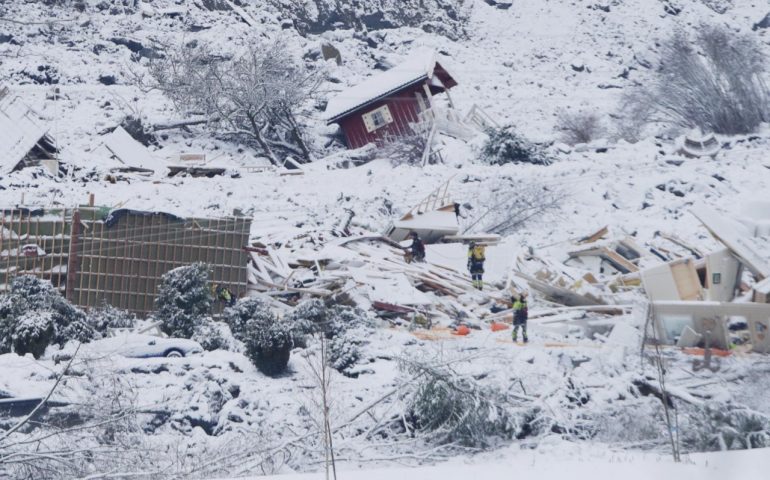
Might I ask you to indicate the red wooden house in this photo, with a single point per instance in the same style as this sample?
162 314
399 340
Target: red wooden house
386 104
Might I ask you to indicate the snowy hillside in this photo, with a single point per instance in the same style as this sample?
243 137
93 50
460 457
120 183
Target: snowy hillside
582 393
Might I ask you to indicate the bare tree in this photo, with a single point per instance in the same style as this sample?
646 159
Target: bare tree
578 127
714 82
260 95
320 368
101 434
669 410
512 203
407 148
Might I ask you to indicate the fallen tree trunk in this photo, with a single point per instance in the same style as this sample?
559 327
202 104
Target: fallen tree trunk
180 123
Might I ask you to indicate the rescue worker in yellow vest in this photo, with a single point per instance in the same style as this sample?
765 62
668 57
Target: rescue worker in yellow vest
520 315
476 258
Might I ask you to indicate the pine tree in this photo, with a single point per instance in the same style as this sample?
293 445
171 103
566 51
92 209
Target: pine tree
184 300
34 315
267 338
33 332
505 145
106 316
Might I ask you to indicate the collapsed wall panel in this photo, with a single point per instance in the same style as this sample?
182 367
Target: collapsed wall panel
711 318
722 276
677 280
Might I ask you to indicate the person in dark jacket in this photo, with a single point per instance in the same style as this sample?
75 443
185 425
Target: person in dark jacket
417 248
520 315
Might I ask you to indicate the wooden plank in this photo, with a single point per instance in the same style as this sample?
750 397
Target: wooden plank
596 236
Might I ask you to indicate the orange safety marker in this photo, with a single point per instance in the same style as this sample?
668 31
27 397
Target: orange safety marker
496 327
462 330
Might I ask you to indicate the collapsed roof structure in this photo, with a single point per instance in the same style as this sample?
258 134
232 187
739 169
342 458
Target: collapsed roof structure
132 155
24 137
434 218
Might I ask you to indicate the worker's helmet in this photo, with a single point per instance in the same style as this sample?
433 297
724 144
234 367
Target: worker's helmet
524 294
472 243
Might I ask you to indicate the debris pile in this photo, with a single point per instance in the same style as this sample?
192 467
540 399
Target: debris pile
371 272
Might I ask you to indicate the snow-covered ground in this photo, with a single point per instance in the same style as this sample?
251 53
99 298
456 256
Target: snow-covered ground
521 65
559 461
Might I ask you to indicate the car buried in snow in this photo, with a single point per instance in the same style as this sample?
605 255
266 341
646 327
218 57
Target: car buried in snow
132 345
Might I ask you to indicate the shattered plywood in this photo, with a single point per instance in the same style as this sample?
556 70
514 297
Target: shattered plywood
370 272
559 283
694 251
558 293
609 261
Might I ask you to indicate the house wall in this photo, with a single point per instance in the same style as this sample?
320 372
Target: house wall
403 107
722 276
713 317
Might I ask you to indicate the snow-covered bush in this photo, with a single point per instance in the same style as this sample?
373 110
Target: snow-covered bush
34 311
246 311
105 317
725 426
337 323
308 318
33 332
714 82
505 145
624 423
215 336
184 300
578 127
314 316
448 407
267 338
344 352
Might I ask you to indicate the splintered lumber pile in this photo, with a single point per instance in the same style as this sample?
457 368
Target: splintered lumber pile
371 272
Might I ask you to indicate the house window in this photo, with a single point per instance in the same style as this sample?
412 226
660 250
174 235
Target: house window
377 118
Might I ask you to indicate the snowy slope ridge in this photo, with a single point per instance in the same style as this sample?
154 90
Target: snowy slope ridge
577 403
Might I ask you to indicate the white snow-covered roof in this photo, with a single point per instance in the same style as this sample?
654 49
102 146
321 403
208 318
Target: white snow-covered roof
418 67
128 151
20 130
